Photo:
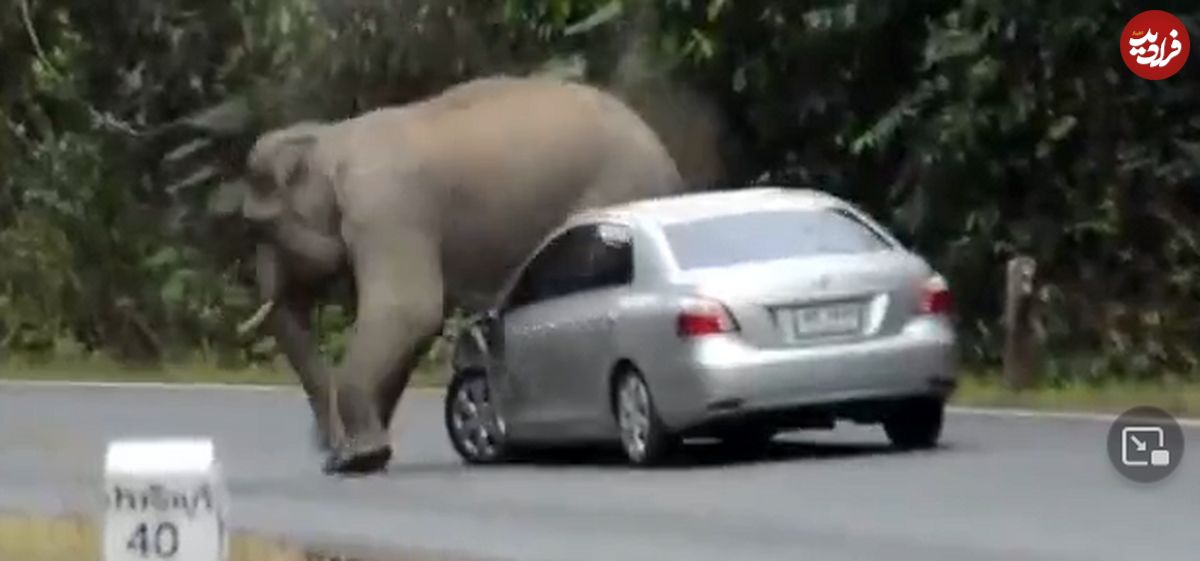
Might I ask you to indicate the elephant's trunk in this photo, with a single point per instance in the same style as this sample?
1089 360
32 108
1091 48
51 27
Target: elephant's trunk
308 245
312 253
270 287
313 256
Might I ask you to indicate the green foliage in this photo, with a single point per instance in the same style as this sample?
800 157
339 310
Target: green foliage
1026 134
38 281
977 129
97 253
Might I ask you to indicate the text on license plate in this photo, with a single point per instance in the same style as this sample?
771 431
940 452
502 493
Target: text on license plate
811 321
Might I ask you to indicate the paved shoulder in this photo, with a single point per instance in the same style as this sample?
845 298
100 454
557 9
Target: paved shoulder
1003 487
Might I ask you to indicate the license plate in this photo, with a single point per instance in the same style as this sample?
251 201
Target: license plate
812 321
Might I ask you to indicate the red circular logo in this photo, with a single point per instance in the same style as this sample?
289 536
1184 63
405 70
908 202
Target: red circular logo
1155 45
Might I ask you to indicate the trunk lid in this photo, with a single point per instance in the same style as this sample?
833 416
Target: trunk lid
816 300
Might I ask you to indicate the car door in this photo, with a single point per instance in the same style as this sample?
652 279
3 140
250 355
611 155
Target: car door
586 339
557 333
527 319
571 380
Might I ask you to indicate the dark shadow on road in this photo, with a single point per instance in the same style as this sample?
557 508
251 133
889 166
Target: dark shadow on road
696 454
426 468
704 455
715 455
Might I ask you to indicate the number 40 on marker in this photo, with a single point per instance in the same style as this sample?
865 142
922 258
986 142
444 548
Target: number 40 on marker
161 542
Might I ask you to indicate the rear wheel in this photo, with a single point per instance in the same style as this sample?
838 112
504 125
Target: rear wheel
475 429
644 438
916 423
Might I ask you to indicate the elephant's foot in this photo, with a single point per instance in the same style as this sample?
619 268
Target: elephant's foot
358 463
321 439
323 433
363 458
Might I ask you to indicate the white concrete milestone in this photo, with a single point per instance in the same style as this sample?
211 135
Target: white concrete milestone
166 499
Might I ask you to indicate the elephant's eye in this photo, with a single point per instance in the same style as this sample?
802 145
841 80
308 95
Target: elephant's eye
259 182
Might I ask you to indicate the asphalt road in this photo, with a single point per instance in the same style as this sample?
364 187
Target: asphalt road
1001 488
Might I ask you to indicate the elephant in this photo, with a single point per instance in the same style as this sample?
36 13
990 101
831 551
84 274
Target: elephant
425 208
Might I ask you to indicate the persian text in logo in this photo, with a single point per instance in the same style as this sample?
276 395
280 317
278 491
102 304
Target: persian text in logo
1155 45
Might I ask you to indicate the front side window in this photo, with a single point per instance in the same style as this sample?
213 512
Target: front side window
768 235
545 276
582 258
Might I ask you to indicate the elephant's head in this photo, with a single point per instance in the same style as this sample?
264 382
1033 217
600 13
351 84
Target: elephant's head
290 202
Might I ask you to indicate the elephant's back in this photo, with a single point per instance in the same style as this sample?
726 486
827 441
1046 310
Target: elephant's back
544 127
503 160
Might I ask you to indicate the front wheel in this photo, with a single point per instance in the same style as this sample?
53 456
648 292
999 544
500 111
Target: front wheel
916 424
475 428
644 438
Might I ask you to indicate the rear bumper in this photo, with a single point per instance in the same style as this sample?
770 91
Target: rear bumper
731 379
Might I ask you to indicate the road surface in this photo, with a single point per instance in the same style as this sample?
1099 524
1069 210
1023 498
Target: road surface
1001 488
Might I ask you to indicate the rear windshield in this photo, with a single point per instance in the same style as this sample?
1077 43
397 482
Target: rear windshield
768 235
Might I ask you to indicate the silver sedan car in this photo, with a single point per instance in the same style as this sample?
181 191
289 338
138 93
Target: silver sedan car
730 314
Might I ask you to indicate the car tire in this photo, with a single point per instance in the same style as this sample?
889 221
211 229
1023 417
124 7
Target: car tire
645 440
916 423
477 433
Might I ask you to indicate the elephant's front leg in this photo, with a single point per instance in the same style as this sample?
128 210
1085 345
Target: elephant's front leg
399 290
393 388
292 323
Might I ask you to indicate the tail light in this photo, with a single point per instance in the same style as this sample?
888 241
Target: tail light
702 317
936 297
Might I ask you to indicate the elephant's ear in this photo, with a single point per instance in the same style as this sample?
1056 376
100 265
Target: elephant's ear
279 154
290 155
278 161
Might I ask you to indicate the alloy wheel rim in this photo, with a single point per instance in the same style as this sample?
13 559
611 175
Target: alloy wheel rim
633 405
476 426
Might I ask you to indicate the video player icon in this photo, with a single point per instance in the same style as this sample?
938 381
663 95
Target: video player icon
1141 446
1145 444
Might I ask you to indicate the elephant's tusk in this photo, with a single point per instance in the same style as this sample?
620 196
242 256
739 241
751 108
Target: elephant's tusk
257 319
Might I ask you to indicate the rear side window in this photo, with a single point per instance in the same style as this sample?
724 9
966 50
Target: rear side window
769 235
611 259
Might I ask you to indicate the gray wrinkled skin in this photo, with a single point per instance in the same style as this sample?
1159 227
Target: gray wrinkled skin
427 207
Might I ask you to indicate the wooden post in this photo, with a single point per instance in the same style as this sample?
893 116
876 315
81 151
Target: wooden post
1020 353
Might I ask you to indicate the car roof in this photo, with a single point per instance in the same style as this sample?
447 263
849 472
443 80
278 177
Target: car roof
703 204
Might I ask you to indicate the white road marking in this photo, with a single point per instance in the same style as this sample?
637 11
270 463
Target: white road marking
173 386
68 384
181 386
1067 415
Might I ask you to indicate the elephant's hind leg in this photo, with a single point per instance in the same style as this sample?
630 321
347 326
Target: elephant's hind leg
393 387
399 304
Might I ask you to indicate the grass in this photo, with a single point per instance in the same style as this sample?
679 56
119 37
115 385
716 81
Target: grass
1181 399
1177 398
105 371
100 370
78 538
